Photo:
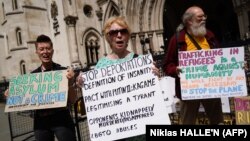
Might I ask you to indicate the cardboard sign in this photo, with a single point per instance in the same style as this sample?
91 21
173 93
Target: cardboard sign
242 110
122 99
213 73
167 84
37 91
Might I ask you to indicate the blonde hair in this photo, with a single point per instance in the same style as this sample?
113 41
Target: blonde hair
120 20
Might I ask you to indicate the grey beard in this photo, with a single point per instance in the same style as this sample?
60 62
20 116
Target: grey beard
199 31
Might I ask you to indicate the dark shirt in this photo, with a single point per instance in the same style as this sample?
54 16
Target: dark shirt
48 118
171 59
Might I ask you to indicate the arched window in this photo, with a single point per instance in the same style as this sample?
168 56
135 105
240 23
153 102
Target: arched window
19 37
3 11
113 10
14 4
6 46
92 45
22 67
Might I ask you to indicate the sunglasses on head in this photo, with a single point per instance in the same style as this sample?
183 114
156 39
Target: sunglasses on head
115 32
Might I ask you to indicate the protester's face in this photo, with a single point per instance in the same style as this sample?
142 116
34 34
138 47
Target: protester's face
118 38
45 52
198 26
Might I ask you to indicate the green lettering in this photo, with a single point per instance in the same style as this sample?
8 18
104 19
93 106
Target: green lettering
25 79
11 90
54 86
41 88
47 77
32 91
19 90
58 76
33 78
19 80
25 89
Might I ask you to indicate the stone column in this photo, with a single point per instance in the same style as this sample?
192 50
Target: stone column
159 35
99 14
142 36
71 22
133 41
151 45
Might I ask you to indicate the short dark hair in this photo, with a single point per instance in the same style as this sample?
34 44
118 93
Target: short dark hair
43 38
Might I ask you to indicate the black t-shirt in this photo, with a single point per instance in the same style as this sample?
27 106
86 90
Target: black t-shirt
48 118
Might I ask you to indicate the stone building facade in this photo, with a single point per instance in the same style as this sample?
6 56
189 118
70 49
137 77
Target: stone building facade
242 8
75 29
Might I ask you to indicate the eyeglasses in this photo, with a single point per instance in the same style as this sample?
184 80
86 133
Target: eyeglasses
114 33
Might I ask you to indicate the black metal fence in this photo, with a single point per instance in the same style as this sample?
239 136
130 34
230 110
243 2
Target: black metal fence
81 122
21 126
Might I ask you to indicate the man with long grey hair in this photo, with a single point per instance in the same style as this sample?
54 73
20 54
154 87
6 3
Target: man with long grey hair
192 35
